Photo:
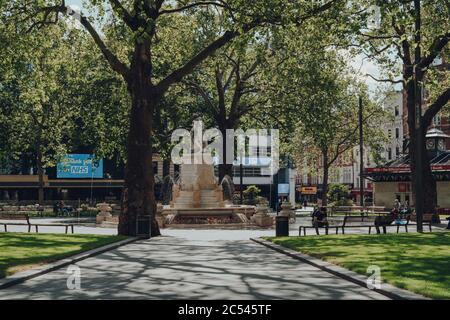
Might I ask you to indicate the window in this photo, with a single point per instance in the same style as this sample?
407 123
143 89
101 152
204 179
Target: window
397 133
389 154
248 172
396 111
397 151
390 133
259 151
155 167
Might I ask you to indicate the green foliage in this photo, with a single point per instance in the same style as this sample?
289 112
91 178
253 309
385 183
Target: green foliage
39 113
339 194
251 194
392 44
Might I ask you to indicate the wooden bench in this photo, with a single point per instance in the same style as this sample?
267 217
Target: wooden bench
427 220
331 222
358 222
26 218
15 217
376 222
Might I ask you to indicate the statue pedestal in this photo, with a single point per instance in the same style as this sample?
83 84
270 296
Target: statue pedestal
261 218
286 211
159 216
198 188
104 214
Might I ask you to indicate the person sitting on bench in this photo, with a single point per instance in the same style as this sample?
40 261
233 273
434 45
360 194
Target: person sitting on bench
383 221
319 219
396 208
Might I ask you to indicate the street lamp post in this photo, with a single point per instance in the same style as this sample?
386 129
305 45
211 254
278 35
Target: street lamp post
241 179
361 155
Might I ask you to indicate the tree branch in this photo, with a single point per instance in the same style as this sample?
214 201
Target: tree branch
438 44
178 74
113 61
129 20
437 106
203 94
195 4
385 80
406 55
220 92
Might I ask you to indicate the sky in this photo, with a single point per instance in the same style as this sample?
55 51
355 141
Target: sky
74 3
365 66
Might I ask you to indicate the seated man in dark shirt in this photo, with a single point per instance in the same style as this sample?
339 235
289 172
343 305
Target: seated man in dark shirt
383 221
319 219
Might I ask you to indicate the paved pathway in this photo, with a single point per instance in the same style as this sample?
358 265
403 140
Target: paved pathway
182 268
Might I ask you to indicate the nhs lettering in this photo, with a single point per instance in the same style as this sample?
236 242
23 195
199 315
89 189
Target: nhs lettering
74 166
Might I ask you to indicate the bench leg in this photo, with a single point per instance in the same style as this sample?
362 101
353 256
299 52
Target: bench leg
6 229
37 229
370 230
326 230
343 231
430 227
304 231
300 231
337 230
72 229
29 228
398 227
67 229
406 228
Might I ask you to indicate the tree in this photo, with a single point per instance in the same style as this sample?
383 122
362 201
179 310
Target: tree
178 110
140 22
228 85
39 113
339 194
323 111
410 36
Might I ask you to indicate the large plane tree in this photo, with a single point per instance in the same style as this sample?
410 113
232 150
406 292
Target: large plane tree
139 23
408 38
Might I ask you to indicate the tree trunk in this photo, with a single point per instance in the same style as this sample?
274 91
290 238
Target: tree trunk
40 170
139 197
428 180
326 169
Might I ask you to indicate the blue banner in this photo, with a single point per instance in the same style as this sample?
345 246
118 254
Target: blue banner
283 189
74 166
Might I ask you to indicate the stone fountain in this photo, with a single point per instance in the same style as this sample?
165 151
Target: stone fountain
198 199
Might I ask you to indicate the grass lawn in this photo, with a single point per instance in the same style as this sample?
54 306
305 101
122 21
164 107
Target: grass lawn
416 262
21 251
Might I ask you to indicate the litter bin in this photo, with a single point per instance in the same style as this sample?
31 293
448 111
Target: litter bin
282 226
143 226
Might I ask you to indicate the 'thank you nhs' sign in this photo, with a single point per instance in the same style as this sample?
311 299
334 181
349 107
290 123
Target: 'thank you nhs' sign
74 166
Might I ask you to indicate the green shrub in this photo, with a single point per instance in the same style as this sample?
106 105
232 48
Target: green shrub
251 194
339 195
